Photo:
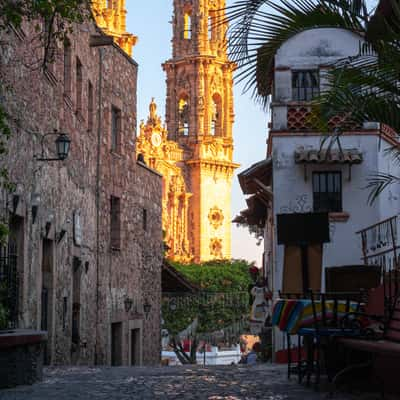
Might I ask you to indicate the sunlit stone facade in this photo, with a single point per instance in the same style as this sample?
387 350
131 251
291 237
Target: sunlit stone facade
195 151
110 16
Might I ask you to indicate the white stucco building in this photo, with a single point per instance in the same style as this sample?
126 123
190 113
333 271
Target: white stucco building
301 176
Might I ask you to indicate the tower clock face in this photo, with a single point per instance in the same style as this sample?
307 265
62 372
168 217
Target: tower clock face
156 139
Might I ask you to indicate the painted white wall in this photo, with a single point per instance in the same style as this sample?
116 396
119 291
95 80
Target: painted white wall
292 193
316 49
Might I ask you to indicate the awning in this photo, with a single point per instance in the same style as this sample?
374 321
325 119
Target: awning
257 177
334 156
174 281
255 214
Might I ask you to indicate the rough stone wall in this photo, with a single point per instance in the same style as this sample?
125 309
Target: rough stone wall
38 104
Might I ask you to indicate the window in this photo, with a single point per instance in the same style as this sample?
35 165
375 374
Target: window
305 85
187 26
211 26
90 105
115 128
216 116
327 191
115 222
183 114
67 68
64 313
144 219
79 77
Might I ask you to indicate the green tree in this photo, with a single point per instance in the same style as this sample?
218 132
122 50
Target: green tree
222 302
363 88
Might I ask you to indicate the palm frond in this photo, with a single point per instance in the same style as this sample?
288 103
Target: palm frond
258 28
378 183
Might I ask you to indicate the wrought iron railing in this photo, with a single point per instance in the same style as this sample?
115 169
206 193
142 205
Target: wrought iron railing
380 247
9 283
212 315
379 244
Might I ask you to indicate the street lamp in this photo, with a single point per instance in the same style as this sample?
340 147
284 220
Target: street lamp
146 308
62 143
128 303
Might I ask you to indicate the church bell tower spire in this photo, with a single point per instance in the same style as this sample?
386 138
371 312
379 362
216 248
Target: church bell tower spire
199 116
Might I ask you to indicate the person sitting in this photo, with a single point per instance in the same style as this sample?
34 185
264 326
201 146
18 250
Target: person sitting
251 358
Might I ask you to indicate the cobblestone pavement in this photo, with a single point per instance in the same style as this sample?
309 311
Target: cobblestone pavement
188 382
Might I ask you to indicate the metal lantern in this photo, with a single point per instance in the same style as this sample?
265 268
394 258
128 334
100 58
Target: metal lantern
146 307
63 143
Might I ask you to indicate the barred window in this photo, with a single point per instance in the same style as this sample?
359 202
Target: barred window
115 222
115 129
305 85
90 109
327 191
67 68
79 83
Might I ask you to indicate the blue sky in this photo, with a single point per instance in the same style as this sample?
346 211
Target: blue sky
151 23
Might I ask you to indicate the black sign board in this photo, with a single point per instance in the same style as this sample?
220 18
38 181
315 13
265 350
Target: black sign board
303 228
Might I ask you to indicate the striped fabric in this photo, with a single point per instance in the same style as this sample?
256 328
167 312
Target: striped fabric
289 315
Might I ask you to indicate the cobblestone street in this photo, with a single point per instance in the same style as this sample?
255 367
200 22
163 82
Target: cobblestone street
193 382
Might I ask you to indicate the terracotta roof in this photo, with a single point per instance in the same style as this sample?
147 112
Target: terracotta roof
314 156
261 171
255 214
174 281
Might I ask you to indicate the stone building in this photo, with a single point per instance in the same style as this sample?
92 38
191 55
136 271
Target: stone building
195 150
85 231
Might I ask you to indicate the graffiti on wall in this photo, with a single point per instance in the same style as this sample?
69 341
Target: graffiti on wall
300 205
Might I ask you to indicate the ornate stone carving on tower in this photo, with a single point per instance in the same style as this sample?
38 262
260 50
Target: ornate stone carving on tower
166 157
199 117
110 16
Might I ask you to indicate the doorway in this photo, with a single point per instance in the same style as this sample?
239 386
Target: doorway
116 344
135 347
293 274
47 296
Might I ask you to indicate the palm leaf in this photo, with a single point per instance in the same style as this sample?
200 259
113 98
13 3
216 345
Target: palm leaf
378 183
260 27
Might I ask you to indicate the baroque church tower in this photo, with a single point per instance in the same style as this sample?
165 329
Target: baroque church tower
110 16
199 116
198 135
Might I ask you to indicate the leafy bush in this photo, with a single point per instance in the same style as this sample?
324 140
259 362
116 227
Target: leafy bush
218 276
222 301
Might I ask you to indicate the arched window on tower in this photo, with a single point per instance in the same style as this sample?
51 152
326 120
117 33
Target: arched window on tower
187 26
216 116
212 26
183 116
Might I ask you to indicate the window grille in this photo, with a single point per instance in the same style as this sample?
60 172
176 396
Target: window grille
305 85
115 224
327 191
144 219
9 283
115 128
67 68
90 106
79 78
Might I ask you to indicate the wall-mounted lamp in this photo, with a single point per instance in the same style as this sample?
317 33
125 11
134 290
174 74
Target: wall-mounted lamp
35 202
61 235
128 302
15 201
62 143
49 223
146 308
